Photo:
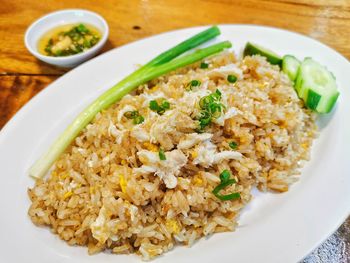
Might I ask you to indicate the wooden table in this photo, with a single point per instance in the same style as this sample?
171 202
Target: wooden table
22 75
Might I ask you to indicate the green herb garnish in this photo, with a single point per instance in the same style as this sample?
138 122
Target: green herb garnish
135 116
138 119
225 181
131 114
231 78
204 65
233 145
224 176
160 109
193 83
162 155
211 108
162 64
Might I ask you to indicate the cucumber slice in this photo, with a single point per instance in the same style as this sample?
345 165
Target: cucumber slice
290 66
313 99
316 86
253 49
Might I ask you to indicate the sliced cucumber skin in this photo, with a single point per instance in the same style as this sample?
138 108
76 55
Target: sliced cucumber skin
252 49
313 98
290 66
327 106
320 98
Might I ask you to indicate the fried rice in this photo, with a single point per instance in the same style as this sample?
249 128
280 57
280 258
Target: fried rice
111 190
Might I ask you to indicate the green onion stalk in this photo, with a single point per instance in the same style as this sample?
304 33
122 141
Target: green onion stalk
160 65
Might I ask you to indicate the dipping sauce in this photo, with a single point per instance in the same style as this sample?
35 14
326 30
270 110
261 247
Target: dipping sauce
68 40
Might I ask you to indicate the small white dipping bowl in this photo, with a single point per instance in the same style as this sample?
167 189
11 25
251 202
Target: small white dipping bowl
59 18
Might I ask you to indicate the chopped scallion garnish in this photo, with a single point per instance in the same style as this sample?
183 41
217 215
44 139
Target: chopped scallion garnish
225 176
195 83
153 105
192 83
211 108
160 109
135 116
204 65
162 155
165 105
131 114
231 78
225 181
233 145
138 119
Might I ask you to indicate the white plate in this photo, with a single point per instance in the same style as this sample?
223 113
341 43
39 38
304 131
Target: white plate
273 228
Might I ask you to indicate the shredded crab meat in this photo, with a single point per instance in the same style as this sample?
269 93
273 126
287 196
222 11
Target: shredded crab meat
115 132
140 134
192 139
224 71
167 170
207 154
231 112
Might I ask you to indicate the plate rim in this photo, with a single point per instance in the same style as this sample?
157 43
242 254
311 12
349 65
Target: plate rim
33 101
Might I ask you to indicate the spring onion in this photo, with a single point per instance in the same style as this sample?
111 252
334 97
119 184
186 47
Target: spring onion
162 155
160 65
160 109
211 108
233 145
225 176
204 65
231 78
193 83
131 114
225 181
138 119
135 116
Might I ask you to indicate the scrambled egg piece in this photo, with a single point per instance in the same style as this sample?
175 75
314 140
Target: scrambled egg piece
172 226
197 180
67 195
151 147
194 154
122 183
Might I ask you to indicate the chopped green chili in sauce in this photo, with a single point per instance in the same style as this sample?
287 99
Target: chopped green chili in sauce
68 40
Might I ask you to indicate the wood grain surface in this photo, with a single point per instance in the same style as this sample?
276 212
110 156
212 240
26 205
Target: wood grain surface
22 75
